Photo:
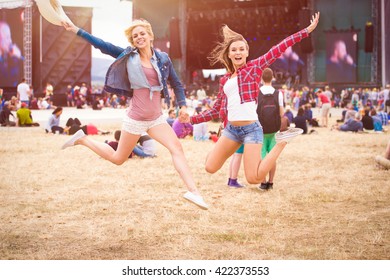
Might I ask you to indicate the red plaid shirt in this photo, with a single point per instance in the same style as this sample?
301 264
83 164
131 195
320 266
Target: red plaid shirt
249 78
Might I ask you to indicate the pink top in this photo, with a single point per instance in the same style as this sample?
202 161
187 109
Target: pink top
141 107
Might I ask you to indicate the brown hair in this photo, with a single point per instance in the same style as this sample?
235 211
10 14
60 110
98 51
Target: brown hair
135 23
117 135
268 75
220 53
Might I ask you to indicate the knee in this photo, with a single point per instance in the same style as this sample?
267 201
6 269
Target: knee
176 148
210 169
119 161
253 180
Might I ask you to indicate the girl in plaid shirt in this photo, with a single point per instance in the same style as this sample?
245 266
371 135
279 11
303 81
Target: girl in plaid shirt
237 102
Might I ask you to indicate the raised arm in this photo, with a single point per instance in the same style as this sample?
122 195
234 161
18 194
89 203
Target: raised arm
276 51
104 47
313 22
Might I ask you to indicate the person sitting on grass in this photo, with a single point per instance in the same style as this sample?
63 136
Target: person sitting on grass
352 124
53 124
24 117
376 120
171 117
300 120
181 127
368 122
289 114
147 147
5 114
73 125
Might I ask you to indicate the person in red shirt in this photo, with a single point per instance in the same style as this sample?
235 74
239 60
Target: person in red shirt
236 104
324 104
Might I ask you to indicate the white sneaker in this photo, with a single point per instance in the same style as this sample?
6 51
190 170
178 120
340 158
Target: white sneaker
287 135
196 199
78 135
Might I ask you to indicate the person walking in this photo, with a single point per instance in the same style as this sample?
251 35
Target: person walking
324 104
270 111
23 92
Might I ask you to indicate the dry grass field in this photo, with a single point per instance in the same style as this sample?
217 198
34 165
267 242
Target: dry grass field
330 201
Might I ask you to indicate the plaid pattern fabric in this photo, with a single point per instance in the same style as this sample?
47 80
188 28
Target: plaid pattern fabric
248 77
383 116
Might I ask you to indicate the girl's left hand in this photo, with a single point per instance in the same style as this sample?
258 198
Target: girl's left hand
313 22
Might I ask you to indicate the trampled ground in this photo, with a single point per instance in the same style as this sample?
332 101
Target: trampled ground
330 201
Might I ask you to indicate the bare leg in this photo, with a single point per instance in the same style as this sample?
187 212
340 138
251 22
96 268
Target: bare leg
272 174
223 149
327 119
165 135
235 164
126 144
255 168
387 152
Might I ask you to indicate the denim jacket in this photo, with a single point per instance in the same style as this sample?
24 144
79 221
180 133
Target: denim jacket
118 81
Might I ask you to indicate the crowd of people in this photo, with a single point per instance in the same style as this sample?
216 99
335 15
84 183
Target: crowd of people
238 105
362 109
200 96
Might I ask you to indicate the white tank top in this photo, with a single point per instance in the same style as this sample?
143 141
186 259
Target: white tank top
238 111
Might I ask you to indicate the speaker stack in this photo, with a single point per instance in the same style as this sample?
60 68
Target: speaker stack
304 21
369 38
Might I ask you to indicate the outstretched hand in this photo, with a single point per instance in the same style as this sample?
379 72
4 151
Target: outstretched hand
68 25
313 22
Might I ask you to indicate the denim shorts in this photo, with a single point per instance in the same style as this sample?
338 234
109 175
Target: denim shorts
246 134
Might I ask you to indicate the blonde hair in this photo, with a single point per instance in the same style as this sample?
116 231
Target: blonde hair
135 23
220 53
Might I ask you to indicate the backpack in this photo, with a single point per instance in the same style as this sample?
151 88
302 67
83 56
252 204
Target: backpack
268 112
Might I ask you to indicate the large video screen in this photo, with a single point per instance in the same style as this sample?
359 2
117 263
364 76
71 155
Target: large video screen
11 47
288 67
341 49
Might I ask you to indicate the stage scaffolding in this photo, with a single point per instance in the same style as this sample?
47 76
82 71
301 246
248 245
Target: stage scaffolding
27 33
27 41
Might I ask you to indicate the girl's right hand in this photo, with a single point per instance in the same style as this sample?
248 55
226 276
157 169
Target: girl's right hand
68 25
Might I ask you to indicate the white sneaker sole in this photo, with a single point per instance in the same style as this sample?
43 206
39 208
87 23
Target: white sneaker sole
288 134
79 134
196 199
